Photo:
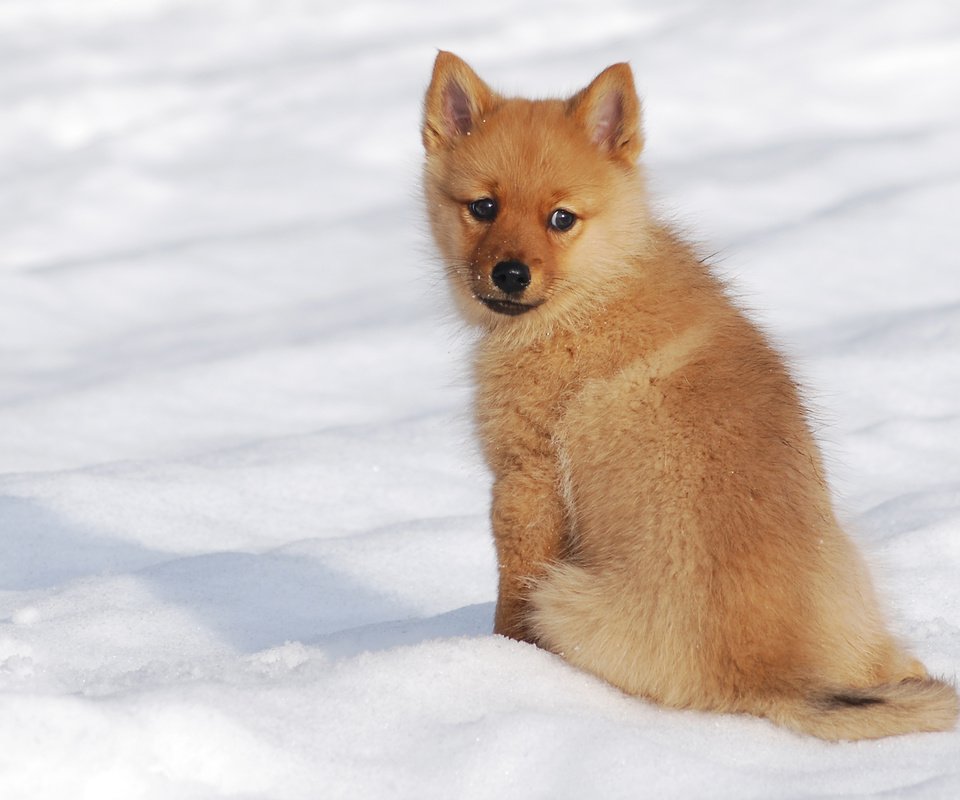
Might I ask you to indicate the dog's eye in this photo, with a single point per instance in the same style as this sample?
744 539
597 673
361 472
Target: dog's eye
562 220
483 209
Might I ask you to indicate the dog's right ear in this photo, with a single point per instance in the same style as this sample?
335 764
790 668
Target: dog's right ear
455 104
609 111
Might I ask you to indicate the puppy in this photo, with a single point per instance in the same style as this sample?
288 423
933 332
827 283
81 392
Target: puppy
659 507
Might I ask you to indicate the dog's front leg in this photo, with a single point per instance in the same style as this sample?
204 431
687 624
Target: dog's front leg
528 530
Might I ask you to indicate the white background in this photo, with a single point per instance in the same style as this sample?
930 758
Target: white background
244 549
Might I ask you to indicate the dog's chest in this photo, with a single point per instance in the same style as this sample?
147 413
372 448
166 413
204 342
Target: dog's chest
521 397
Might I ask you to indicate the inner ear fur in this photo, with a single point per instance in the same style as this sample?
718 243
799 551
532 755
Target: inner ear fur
455 103
609 111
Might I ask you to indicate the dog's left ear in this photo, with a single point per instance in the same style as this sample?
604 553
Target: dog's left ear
609 110
456 102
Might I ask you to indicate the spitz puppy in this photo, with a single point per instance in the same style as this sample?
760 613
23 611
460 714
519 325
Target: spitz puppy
659 506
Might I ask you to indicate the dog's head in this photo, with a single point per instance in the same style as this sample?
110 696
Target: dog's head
537 206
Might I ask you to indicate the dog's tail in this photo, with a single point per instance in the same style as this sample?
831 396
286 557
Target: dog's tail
913 705
594 622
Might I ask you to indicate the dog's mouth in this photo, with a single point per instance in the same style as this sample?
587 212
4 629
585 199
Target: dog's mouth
509 307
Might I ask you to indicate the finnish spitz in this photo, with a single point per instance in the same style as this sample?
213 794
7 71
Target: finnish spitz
659 506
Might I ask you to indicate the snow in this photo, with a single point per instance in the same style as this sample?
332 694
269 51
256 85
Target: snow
244 549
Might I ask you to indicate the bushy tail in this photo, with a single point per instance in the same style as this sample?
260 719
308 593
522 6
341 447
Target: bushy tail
910 706
590 620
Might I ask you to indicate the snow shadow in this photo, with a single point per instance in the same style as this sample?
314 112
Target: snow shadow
39 549
473 620
257 601
250 601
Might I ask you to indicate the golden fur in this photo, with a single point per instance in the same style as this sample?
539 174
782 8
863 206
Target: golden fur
659 507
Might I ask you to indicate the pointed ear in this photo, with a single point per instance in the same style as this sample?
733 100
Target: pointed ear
609 111
455 103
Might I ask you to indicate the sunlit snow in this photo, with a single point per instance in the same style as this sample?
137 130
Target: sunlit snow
244 548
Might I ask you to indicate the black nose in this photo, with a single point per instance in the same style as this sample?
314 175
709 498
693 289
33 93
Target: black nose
511 277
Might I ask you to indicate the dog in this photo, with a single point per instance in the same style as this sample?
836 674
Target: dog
659 507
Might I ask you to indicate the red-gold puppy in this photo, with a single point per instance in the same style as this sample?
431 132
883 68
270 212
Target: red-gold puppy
659 506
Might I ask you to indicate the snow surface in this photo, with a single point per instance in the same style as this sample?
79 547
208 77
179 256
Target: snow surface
244 549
